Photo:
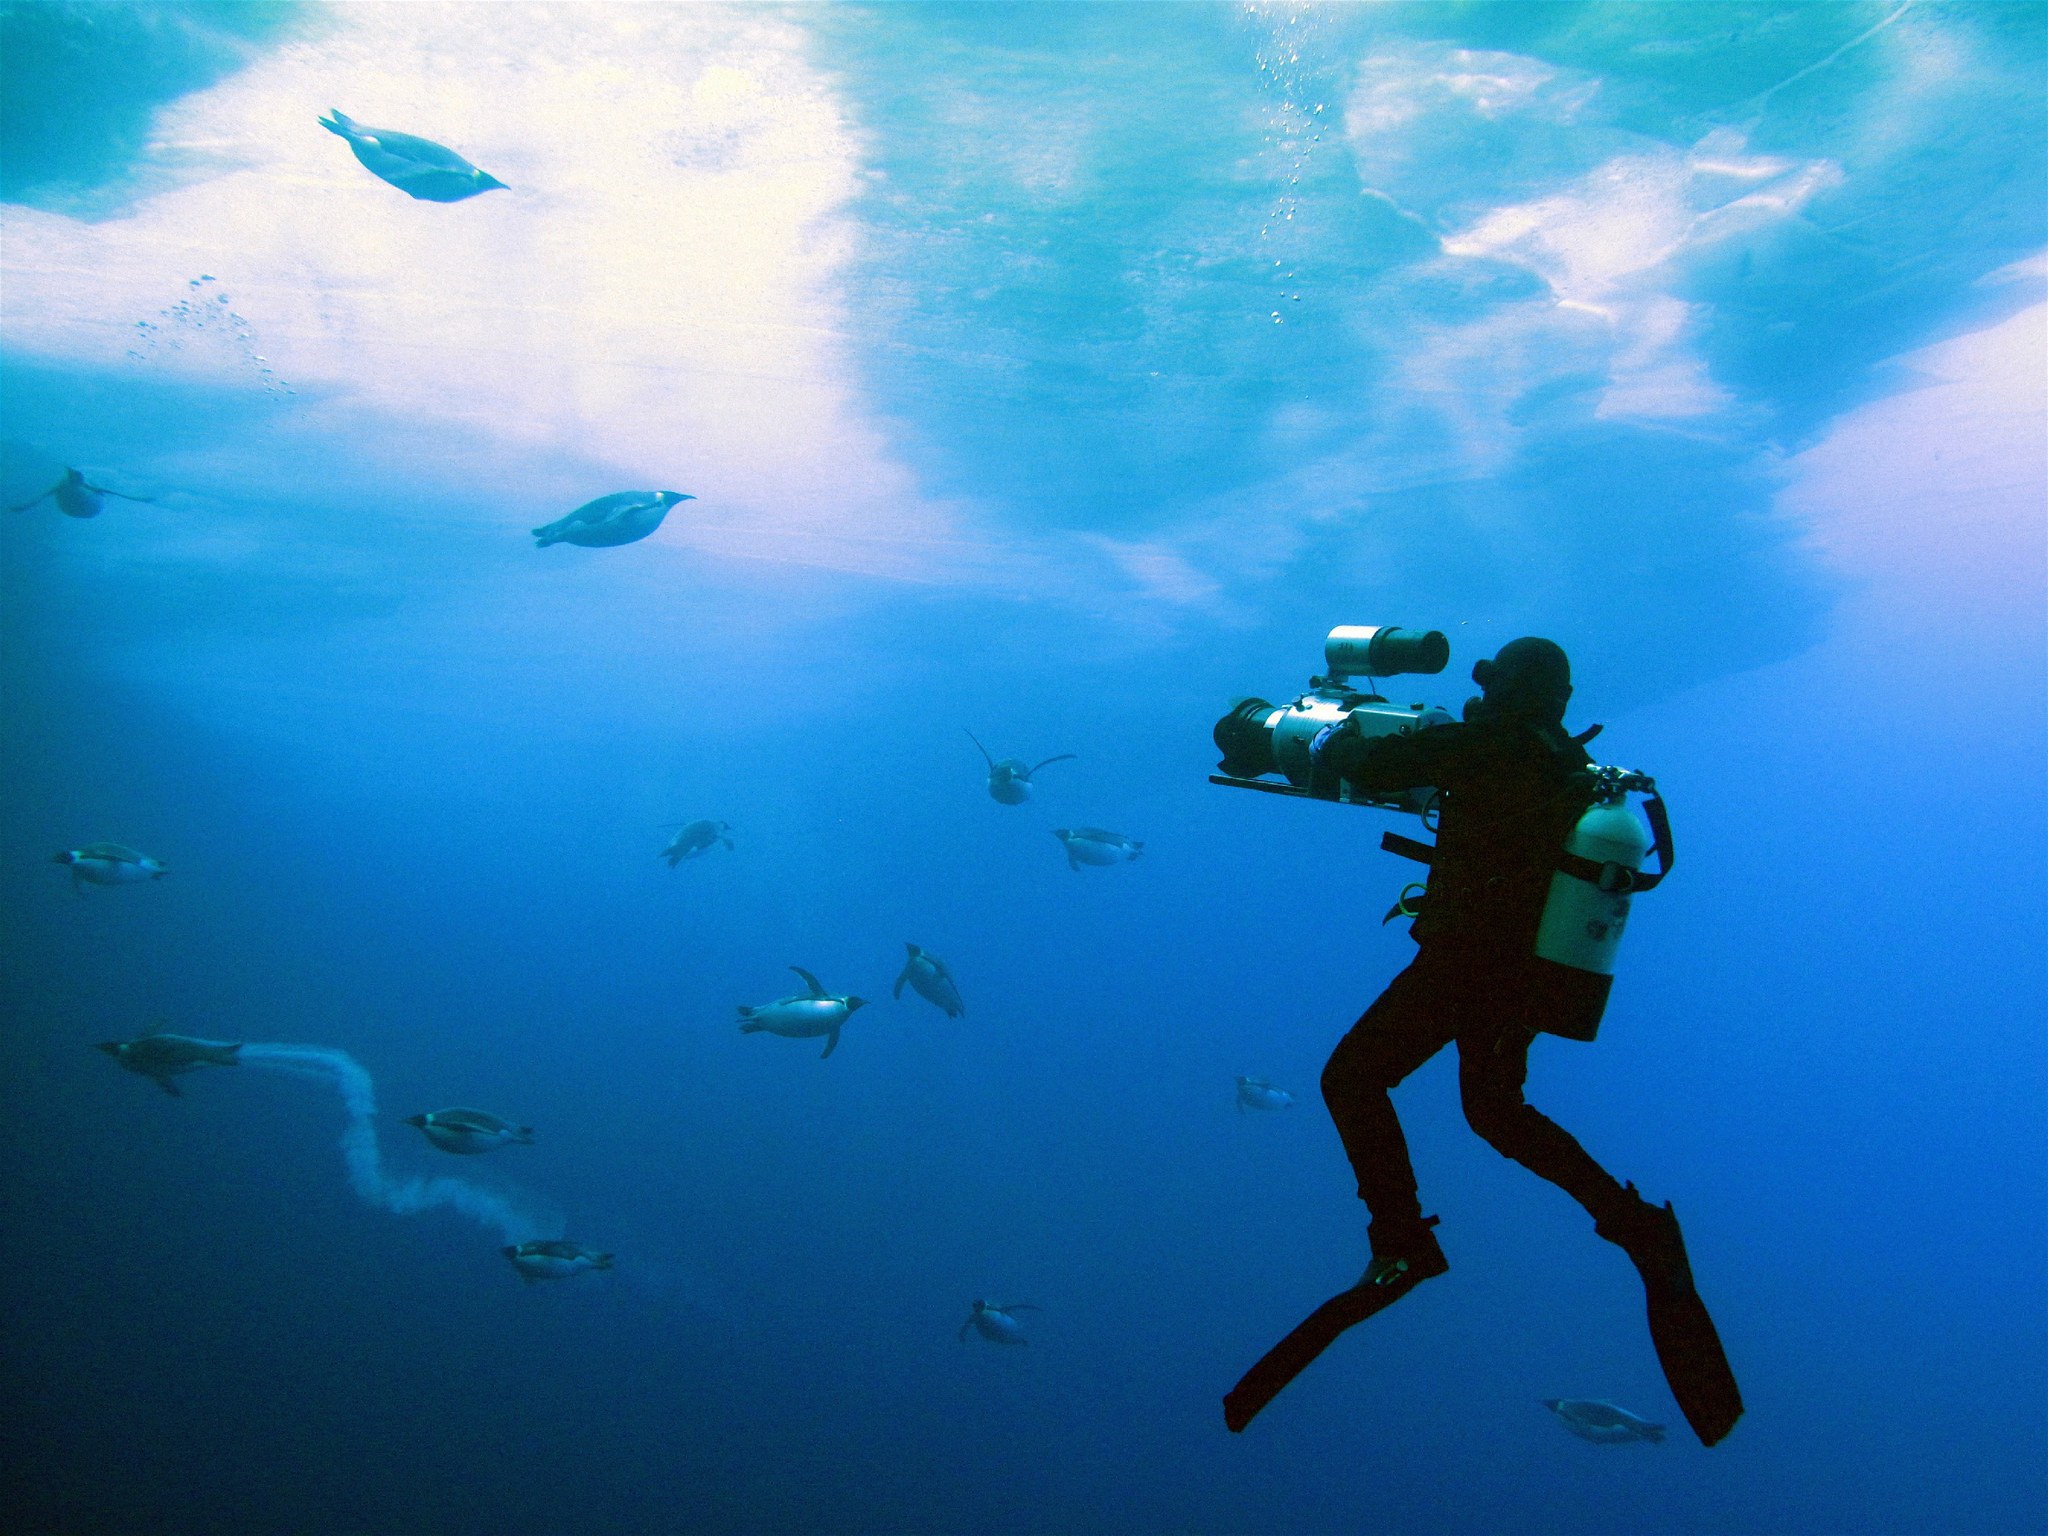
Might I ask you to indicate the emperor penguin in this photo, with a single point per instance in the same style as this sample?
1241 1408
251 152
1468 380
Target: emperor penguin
469 1131
418 167
1092 845
622 518
804 1015
109 864
1257 1093
76 496
161 1056
696 838
929 979
553 1258
997 1324
1009 781
1603 1423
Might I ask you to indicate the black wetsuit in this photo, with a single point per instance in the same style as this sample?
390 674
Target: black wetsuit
1511 792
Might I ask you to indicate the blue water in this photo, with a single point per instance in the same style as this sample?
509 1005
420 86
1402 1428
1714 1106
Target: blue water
1059 373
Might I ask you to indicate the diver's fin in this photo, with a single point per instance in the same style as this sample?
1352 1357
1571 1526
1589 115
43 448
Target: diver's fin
1689 1349
810 981
1316 1333
831 1045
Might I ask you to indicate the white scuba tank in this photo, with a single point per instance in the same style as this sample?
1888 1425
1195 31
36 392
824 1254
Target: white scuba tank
1582 924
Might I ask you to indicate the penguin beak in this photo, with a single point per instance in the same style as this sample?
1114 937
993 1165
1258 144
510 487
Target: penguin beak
489 182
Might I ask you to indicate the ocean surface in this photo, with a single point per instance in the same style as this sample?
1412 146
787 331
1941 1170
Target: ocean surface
1059 374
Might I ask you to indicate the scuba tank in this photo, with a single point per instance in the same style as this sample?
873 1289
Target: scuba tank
1599 871
1597 875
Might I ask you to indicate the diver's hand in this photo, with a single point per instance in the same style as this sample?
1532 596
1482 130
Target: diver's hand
1330 751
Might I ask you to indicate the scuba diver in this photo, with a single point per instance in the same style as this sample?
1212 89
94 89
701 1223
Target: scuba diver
1511 787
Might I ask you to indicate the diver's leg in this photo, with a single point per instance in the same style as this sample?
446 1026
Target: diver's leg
1409 1023
1493 1064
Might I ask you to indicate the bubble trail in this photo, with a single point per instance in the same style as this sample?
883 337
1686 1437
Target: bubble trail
359 1150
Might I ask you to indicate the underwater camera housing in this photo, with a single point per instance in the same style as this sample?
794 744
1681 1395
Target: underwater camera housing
1259 738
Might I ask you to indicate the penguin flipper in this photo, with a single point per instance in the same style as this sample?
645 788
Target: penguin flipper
965 1329
811 982
831 1045
1064 757
101 490
978 747
169 1087
897 990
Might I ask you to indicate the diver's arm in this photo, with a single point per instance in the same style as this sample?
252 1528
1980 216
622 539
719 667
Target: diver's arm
1379 765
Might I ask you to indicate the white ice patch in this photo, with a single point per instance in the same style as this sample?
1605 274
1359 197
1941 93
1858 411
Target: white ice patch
1611 244
656 296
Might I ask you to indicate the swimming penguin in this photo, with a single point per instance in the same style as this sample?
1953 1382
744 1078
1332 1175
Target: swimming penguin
804 1016
160 1057
1257 1093
1009 781
1602 1423
697 837
995 1323
929 978
1092 845
469 1131
621 518
109 864
553 1258
76 496
418 167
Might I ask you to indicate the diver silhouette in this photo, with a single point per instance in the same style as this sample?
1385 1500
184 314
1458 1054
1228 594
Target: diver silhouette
1512 785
